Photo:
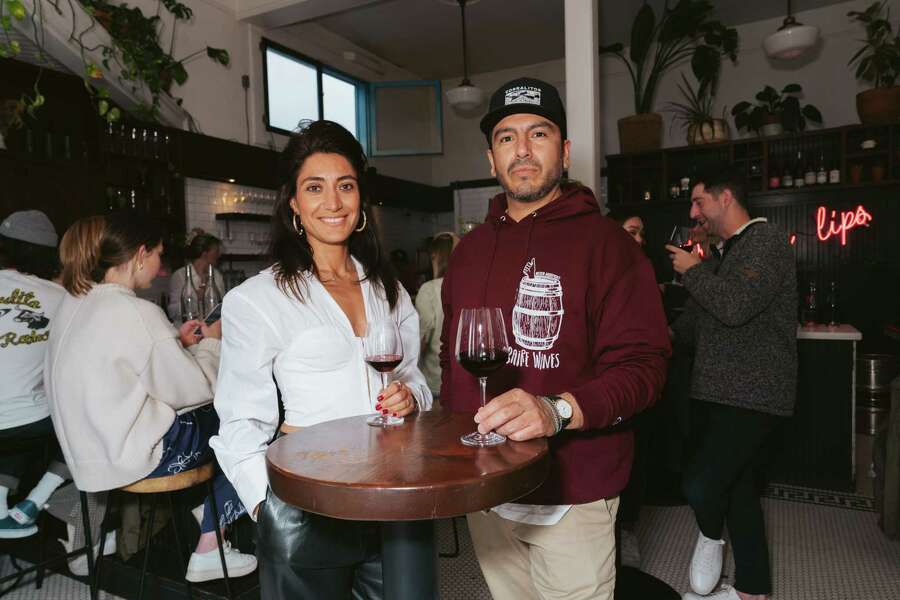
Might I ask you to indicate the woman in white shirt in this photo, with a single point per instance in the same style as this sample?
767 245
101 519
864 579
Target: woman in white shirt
129 395
431 311
298 328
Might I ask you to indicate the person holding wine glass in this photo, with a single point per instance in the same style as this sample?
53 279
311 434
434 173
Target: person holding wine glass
743 308
320 327
586 349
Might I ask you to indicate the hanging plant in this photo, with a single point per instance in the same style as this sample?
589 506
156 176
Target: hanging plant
135 52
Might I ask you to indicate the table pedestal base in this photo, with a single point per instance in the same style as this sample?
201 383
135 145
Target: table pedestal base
409 560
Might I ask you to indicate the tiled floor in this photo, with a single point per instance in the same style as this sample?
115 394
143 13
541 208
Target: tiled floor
823 548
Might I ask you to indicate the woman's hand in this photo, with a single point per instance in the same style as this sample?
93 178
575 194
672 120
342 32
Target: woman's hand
396 399
186 333
212 331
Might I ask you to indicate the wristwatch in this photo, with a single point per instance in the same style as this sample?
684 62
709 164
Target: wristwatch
562 410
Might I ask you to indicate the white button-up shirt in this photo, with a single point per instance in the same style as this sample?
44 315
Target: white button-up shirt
309 351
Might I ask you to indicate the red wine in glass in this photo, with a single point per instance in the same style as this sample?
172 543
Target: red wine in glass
481 349
680 237
384 363
384 352
482 365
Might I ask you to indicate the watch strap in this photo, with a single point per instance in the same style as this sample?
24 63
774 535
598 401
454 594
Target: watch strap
557 419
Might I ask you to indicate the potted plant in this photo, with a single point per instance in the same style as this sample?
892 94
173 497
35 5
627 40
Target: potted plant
135 48
775 112
689 30
877 63
696 117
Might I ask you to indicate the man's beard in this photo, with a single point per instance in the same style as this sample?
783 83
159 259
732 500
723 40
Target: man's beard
551 180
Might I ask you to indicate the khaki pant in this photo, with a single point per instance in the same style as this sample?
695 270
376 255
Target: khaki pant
572 560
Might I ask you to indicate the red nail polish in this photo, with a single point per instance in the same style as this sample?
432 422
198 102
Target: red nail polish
384 412
381 397
378 406
395 414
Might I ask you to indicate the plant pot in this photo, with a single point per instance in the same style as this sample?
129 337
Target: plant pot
856 171
879 105
771 125
640 133
708 133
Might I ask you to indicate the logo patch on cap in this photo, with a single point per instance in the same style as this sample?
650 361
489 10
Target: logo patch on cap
523 94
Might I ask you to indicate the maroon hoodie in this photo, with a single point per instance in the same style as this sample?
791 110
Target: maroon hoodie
583 315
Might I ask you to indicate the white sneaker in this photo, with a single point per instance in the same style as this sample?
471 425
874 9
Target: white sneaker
726 592
208 566
706 564
79 565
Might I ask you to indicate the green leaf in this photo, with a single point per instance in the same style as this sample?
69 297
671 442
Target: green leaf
792 88
219 55
612 48
179 74
705 63
812 113
16 9
102 107
740 107
114 114
642 34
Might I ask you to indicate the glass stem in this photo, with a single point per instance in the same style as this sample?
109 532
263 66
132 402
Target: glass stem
383 381
482 381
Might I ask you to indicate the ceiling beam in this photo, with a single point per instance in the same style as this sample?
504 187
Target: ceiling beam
270 14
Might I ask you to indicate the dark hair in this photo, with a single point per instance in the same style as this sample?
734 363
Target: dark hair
441 246
291 252
200 243
716 181
93 245
32 259
620 217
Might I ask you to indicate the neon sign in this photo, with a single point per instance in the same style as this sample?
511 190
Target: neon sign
839 225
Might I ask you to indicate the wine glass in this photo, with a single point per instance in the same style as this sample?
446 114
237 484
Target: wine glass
384 351
681 237
481 349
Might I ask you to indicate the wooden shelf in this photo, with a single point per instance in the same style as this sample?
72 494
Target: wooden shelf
244 257
236 216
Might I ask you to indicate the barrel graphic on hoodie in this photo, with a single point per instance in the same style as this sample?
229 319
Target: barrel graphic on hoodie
538 313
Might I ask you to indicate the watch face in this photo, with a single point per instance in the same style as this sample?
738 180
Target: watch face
564 409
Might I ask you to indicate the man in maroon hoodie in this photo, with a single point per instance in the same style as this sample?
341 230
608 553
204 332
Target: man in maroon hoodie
589 345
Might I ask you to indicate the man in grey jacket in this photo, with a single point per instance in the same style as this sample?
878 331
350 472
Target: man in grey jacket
742 323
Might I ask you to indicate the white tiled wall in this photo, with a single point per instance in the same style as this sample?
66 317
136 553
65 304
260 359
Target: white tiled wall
203 199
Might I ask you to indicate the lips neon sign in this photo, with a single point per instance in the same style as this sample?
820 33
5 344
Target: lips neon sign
838 224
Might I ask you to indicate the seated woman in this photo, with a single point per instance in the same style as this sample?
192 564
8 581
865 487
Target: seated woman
431 311
203 250
28 304
298 328
129 395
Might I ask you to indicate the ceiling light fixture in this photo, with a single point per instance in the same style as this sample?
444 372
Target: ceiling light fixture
792 39
465 96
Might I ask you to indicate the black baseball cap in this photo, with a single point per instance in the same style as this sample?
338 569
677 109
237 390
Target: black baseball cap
525 95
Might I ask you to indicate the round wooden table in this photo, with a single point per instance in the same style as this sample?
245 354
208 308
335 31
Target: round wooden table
404 476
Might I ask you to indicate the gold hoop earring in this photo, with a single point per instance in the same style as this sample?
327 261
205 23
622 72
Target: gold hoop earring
140 266
365 222
298 228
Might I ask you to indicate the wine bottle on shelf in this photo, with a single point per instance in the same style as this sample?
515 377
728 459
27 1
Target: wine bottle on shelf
774 176
809 170
831 305
834 174
810 306
821 173
787 178
798 171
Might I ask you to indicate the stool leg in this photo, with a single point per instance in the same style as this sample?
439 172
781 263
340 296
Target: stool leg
86 523
178 543
455 552
212 501
148 544
104 529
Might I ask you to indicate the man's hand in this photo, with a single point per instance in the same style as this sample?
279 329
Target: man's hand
518 415
681 260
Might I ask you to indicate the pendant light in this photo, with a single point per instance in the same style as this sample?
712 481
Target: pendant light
792 39
465 96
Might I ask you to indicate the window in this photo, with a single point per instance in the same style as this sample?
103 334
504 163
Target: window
300 88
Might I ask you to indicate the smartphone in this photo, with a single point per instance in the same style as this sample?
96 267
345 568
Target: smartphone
214 315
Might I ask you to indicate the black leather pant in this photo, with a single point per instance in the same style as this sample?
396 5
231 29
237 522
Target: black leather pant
305 556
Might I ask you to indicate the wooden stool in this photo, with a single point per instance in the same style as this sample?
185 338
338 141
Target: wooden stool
168 485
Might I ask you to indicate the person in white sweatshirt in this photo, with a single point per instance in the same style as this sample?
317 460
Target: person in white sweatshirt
298 328
129 395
